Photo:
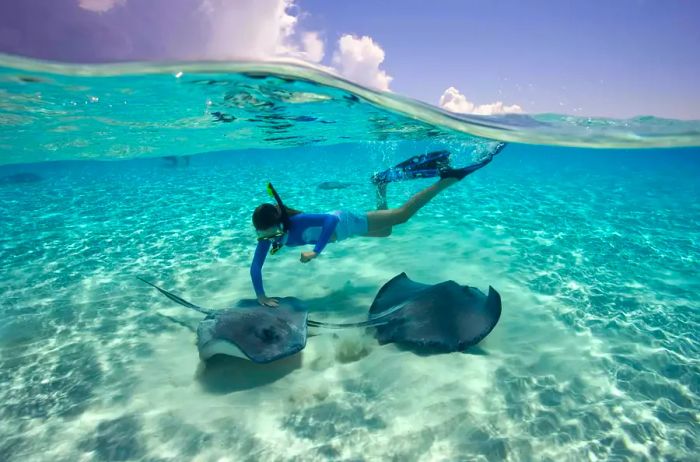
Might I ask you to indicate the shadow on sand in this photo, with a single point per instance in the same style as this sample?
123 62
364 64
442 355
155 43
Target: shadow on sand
226 374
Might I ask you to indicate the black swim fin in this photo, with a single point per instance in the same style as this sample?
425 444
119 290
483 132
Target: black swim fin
422 166
460 173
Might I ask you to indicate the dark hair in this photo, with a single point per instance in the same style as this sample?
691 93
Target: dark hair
268 215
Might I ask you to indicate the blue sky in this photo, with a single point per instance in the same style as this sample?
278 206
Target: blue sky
620 58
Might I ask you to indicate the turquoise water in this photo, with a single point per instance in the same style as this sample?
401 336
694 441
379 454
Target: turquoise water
594 251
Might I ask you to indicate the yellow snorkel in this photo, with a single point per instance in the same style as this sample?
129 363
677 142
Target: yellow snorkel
284 217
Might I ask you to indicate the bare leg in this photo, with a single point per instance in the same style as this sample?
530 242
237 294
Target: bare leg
380 222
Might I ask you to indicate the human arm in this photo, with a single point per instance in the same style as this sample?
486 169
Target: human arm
256 273
327 222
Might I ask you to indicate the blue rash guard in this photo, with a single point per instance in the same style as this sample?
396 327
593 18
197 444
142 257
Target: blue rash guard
305 228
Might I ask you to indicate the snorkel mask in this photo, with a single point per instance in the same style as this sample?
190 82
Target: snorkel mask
281 229
275 237
266 235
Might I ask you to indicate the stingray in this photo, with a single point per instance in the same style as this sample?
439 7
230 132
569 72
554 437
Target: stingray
444 317
21 178
335 185
248 330
253 332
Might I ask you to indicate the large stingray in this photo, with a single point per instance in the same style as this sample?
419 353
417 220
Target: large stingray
444 317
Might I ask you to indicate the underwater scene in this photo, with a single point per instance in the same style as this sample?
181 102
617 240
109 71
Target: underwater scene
588 228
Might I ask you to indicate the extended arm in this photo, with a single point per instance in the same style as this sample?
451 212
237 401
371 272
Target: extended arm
256 267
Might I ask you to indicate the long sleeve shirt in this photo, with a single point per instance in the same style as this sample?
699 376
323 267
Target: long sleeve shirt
305 228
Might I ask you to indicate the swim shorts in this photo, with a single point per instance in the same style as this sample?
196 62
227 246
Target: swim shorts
350 224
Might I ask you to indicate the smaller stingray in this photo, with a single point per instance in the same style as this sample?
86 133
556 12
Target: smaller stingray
174 161
335 185
21 178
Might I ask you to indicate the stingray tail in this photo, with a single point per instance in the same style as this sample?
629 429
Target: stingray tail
177 299
349 325
374 321
178 322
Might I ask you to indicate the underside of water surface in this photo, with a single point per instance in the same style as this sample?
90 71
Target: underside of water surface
594 251
59 112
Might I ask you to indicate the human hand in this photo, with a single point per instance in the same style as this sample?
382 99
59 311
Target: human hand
267 301
307 256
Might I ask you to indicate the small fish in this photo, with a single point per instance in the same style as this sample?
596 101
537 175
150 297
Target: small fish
21 178
335 185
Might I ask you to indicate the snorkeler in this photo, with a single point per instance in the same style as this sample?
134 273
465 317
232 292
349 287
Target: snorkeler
279 225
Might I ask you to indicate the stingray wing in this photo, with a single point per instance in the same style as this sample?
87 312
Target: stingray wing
395 293
485 317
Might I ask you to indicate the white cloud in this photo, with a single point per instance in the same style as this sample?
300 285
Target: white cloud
255 30
313 46
223 29
358 59
250 29
454 101
98 6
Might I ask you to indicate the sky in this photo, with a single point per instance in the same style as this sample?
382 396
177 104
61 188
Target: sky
621 59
